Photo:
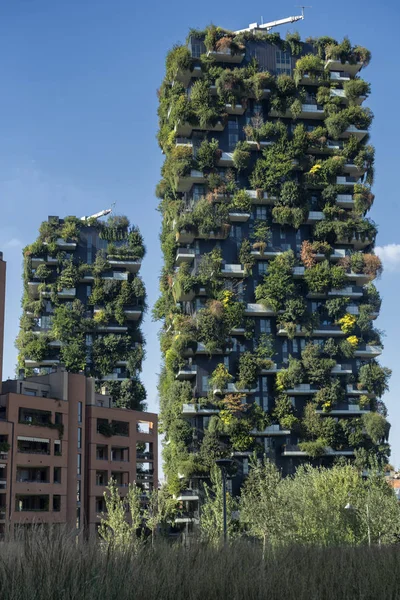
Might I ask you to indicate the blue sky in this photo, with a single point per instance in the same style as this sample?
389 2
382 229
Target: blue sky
78 125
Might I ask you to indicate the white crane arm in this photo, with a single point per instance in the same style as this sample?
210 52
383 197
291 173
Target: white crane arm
271 24
102 213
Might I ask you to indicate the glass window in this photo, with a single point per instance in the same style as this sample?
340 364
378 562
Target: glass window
78 490
261 212
295 346
265 325
196 50
245 466
283 63
197 192
283 234
88 290
79 464
79 438
262 268
79 412
226 361
78 518
204 383
58 418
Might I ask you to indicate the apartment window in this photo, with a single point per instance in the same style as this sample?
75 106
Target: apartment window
46 322
226 361
57 447
261 213
30 392
262 268
58 418
78 490
240 291
245 466
236 233
79 438
78 518
285 350
257 108
79 412
265 325
57 474
88 290
283 235
79 464
196 50
198 192
89 256
206 421
233 134
204 383
56 503
295 346
283 63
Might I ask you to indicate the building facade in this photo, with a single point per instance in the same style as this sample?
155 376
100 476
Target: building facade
83 304
61 443
267 297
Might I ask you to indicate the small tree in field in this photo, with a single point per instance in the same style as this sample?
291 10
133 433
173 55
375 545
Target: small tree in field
123 518
261 504
211 521
160 510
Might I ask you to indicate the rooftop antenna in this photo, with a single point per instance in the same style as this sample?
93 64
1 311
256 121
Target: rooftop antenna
271 24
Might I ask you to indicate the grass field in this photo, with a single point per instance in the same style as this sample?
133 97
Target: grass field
55 566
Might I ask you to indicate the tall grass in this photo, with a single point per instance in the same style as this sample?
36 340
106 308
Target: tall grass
57 566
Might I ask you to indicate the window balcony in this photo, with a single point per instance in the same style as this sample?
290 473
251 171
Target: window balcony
187 496
344 410
185 183
115 276
350 291
231 388
232 270
114 377
359 278
339 76
298 272
268 253
346 180
345 200
184 255
226 56
354 391
294 450
184 129
356 241
302 389
49 260
308 111
366 351
47 362
185 237
186 372
198 410
183 141
353 170
185 75
238 217
133 312
132 266
336 66
226 159
352 130
271 431
274 368
33 289
63 245
342 370
260 197
258 310
258 145
235 109
188 517
353 309
314 216
112 328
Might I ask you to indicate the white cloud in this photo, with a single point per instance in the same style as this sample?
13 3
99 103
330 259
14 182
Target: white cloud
390 256
13 243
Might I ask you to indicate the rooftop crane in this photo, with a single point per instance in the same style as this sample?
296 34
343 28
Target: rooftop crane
102 213
271 24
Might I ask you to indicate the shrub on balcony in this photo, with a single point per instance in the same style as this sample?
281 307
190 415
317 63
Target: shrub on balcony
258 82
309 251
184 282
278 285
347 323
315 448
204 106
363 198
208 155
269 171
241 156
231 86
69 276
311 65
42 272
284 413
284 93
241 201
74 354
212 326
220 377
318 277
261 235
330 395
318 369
355 88
178 59
290 377
336 124
374 378
248 371
245 256
294 314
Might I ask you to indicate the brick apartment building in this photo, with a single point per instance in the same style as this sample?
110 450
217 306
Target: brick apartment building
61 442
